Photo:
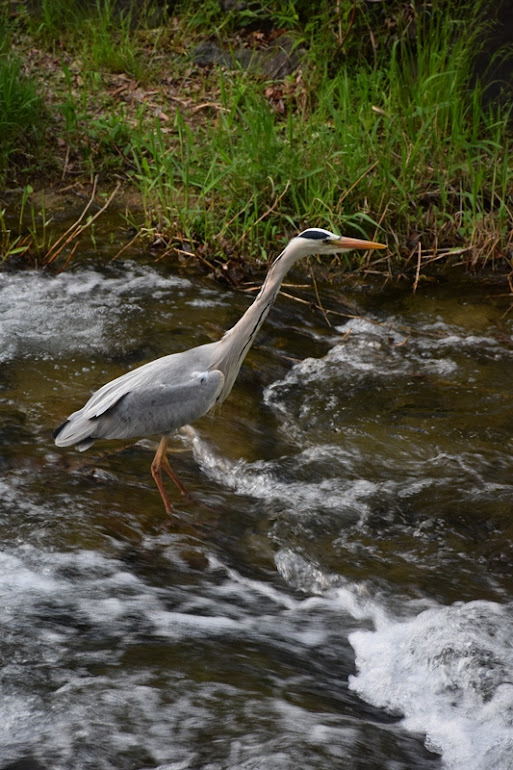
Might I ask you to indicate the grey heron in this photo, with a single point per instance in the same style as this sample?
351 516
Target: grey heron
163 395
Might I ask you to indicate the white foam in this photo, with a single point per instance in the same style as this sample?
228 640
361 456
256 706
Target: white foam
372 350
315 391
449 671
319 397
70 618
261 479
55 314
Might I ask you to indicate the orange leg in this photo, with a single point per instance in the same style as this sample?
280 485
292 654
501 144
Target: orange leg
161 463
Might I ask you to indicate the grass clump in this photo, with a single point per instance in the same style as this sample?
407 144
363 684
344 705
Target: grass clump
104 33
244 177
22 111
405 145
380 127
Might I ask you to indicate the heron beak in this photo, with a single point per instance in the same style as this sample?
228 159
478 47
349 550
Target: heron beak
356 243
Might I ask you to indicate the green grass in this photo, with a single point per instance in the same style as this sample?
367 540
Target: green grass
103 33
109 38
22 113
408 145
247 175
380 135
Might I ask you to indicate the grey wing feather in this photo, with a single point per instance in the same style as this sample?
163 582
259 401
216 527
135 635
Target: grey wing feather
161 409
156 398
175 369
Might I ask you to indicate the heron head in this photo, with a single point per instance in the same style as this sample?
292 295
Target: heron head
315 240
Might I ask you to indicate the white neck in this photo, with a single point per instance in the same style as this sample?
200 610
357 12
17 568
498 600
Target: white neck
236 341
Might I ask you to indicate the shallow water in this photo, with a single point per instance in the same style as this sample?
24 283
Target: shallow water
338 591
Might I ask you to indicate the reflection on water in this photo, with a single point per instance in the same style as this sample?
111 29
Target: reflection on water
337 592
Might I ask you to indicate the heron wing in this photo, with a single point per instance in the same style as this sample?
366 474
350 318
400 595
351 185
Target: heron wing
162 408
168 371
136 406
177 369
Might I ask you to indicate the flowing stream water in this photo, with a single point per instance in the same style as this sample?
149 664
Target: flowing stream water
336 593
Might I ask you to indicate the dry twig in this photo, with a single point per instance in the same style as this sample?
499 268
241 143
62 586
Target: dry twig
76 229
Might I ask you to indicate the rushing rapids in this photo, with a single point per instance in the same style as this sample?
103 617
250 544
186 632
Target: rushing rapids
337 591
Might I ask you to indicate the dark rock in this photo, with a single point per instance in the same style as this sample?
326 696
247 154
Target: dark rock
275 62
209 53
282 58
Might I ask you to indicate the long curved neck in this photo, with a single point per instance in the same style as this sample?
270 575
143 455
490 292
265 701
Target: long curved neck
236 341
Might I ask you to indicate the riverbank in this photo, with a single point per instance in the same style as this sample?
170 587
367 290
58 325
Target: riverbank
218 133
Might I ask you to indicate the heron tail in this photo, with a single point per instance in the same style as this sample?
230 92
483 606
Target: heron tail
74 432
